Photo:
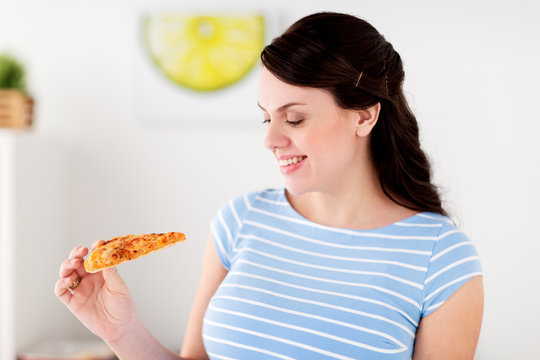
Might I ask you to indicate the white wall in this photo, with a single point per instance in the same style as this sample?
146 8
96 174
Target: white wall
7 247
90 170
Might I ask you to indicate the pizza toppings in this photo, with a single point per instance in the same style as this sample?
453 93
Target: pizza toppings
130 247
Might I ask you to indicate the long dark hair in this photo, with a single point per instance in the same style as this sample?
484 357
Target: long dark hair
351 60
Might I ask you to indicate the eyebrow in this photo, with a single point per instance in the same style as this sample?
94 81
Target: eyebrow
283 107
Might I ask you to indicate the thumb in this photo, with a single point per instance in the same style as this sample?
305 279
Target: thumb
114 280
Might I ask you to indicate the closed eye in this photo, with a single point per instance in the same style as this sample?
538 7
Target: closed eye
295 123
291 123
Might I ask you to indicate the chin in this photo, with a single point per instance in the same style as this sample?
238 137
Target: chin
296 189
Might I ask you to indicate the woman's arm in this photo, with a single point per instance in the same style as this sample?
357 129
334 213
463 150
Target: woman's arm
145 346
139 343
102 302
213 273
451 331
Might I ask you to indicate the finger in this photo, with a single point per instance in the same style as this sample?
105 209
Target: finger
71 279
79 251
114 281
70 266
78 264
97 243
61 291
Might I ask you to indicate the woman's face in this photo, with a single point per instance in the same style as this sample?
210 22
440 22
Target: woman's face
314 140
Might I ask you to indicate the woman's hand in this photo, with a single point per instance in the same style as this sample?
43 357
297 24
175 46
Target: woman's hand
101 301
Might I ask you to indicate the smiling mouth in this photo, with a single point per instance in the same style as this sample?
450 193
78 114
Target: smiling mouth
291 161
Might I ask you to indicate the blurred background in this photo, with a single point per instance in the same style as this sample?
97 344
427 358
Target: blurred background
89 168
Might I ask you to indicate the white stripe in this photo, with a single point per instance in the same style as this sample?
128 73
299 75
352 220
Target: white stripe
280 203
243 346
399 223
447 250
459 262
397 263
235 214
318 303
378 288
319 333
343 231
219 243
373 273
216 356
275 338
326 292
434 306
438 218
450 284
442 236
246 200
226 228
331 244
429 216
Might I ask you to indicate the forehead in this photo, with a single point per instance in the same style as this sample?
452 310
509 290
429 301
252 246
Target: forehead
274 93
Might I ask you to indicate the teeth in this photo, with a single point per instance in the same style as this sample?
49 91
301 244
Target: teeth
291 161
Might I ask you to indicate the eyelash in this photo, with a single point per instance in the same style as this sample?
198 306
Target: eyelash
292 123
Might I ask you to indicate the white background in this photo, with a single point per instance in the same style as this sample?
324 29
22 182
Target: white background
89 170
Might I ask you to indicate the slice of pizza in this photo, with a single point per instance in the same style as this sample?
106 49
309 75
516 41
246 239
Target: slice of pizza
130 247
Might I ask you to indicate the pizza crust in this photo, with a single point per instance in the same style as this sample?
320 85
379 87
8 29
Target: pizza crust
125 248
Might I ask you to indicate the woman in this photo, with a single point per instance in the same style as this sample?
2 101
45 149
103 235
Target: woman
355 259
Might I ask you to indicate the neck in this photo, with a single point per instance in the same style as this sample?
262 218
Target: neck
357 202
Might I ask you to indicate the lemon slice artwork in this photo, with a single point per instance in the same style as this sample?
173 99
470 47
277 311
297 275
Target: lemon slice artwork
204 53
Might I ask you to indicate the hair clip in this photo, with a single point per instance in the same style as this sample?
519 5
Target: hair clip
358 80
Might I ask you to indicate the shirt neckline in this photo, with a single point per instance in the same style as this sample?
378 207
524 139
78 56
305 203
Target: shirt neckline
301 218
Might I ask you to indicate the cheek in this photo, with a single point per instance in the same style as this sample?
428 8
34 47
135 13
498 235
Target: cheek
337 150
334 139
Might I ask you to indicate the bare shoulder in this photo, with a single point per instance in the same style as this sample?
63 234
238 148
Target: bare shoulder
452 331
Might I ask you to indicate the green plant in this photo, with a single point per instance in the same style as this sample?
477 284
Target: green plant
12 73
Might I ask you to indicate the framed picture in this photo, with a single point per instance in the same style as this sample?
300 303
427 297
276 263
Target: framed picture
199 67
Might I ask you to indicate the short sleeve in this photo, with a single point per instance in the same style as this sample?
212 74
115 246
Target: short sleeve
226 225
454 260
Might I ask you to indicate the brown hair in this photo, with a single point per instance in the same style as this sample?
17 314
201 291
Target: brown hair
351 60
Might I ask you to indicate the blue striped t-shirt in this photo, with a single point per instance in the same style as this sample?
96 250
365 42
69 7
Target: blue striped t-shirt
299 290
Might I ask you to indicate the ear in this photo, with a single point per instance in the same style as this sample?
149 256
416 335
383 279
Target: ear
367 118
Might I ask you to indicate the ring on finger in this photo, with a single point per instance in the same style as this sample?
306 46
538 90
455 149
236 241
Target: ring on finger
75 283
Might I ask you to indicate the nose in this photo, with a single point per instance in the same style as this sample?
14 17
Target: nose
275 137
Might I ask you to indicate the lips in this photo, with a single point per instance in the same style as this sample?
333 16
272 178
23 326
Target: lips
289 164
290 160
